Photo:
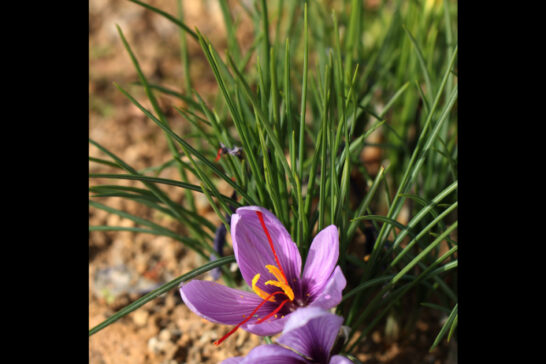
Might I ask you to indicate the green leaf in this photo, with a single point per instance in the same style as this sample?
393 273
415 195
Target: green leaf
147 179
452 319
171 92
168 17
421 61
197 246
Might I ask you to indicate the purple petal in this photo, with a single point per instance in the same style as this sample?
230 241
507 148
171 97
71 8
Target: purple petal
252 249
338 359
311 331
331 296
221 304
268 327
321 260
272 354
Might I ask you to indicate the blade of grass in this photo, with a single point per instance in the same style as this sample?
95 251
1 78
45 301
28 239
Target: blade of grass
146 179
148 231
233 45
105 162
450 320
184 57
436 307
301 135
168 17
193 244
170 92
421 60
322 151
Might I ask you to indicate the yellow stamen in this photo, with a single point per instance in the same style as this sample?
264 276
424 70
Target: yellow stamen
285 287
276 272
264 295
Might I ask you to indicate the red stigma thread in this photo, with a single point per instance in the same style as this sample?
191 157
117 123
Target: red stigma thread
274 312
218 342
261 218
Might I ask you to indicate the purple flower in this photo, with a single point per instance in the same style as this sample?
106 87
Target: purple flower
308 337
270 263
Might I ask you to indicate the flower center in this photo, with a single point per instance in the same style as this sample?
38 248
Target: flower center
280 283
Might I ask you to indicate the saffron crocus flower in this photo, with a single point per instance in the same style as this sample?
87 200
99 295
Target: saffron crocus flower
270 263
308 337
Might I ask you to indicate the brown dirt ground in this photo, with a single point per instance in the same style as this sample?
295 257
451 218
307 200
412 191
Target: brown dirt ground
120 263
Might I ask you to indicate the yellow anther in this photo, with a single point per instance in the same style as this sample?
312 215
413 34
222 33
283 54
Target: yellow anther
276 272
264 295
285 287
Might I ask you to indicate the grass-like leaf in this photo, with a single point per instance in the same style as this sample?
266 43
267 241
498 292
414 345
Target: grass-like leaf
168 17
450 325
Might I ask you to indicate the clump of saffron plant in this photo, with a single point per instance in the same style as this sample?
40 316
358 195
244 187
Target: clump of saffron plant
308 337
270 263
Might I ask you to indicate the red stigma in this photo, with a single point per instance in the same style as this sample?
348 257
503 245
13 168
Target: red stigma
218 342
261 218
274 312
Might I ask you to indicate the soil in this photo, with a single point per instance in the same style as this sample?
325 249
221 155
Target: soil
124 265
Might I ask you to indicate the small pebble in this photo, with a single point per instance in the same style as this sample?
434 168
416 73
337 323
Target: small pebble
140 317
164 335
